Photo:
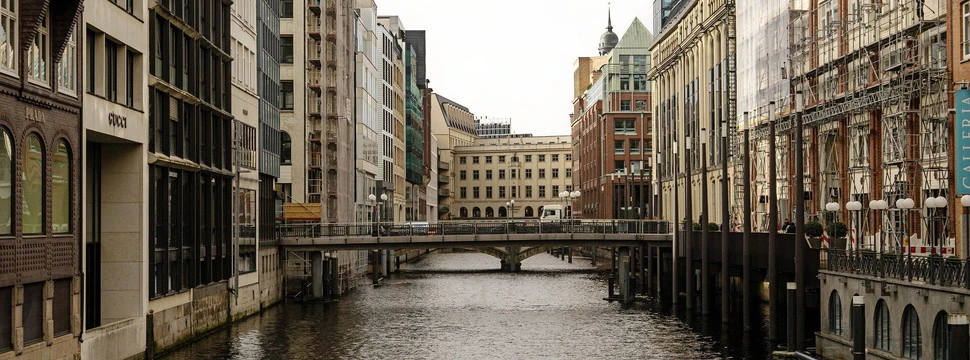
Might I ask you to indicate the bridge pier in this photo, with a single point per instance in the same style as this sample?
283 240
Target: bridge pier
316 275
626 293
570 251
511 263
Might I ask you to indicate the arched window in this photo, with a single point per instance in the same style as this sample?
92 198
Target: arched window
286 151
489 212
61 184
503 212
463 212
476 212
912 338
941 337
882 336
528 212
33 186
835 313
6 183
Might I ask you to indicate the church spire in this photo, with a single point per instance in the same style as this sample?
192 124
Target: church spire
609 16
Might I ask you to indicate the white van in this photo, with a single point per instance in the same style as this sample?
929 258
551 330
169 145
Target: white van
552 212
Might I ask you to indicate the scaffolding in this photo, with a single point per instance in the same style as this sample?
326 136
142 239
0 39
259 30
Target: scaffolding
881 60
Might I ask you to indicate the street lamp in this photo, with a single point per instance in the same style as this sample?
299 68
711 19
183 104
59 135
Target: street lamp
854 207
511 205
379 205
879 205
905 205
573 196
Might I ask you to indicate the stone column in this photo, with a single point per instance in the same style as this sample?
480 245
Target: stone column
316 274
624 275
858 315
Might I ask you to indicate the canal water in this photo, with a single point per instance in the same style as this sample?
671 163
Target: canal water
460 306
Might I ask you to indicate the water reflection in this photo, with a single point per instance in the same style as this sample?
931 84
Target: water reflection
460 306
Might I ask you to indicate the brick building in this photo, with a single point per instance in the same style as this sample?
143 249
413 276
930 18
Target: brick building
40 229
612 136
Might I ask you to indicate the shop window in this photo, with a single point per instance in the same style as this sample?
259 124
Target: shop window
61 184
33 186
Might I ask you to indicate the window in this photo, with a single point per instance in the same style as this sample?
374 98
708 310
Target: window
463 212
941 336
475 192
488 192
515 173
61 185
966 30
8 36
555 190
882 334
488 174
618 146
528 191
501 158
569 157
634 146
110 71
619 166
67 68
462 160
528 173
555 157
624 105
569 172
555 173
33 186
640 84
501 174
6 182
624 126
835 314
286 95
542 173
286 49
475 175
488 159
542 191
130 79
476 212
624 82
463 192
475 160
912 338
39 53
92 60
515 159
542 158
286 149
515 191
528 158
501 192
463 174
286 9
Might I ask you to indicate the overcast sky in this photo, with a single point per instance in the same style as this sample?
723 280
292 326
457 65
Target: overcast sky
512 58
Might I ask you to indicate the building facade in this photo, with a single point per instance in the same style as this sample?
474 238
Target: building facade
453 125
611 129
40 184
533 171
396 29
420 161
368 112
486 127
269 139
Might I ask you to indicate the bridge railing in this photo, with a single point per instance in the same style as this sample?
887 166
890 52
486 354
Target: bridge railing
934 269
486 227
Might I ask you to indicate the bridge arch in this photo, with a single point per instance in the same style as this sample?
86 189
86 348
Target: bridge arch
530 252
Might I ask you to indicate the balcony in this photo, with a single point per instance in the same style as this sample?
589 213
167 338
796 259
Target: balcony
313 27
314 186
314 52
445 166
314 161
314 6
314 136
313 106
332 160
444 179
332 80
314 78
444 193
331 7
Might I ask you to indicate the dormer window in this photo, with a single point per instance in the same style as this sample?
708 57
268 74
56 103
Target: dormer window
8 36
38 54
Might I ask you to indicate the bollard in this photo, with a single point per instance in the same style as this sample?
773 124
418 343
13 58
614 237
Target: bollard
959 332
570 250
858 314
790 321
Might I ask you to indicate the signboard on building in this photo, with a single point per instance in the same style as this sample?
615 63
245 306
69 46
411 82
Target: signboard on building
962 145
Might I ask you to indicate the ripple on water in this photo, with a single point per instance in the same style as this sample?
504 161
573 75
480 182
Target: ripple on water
459 306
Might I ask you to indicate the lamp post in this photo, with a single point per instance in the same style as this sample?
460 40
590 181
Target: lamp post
511 205
878 205
378 204
508 207
904 205
965 201
832 207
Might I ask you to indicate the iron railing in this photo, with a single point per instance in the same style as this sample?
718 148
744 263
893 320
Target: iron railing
933 269
508 227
